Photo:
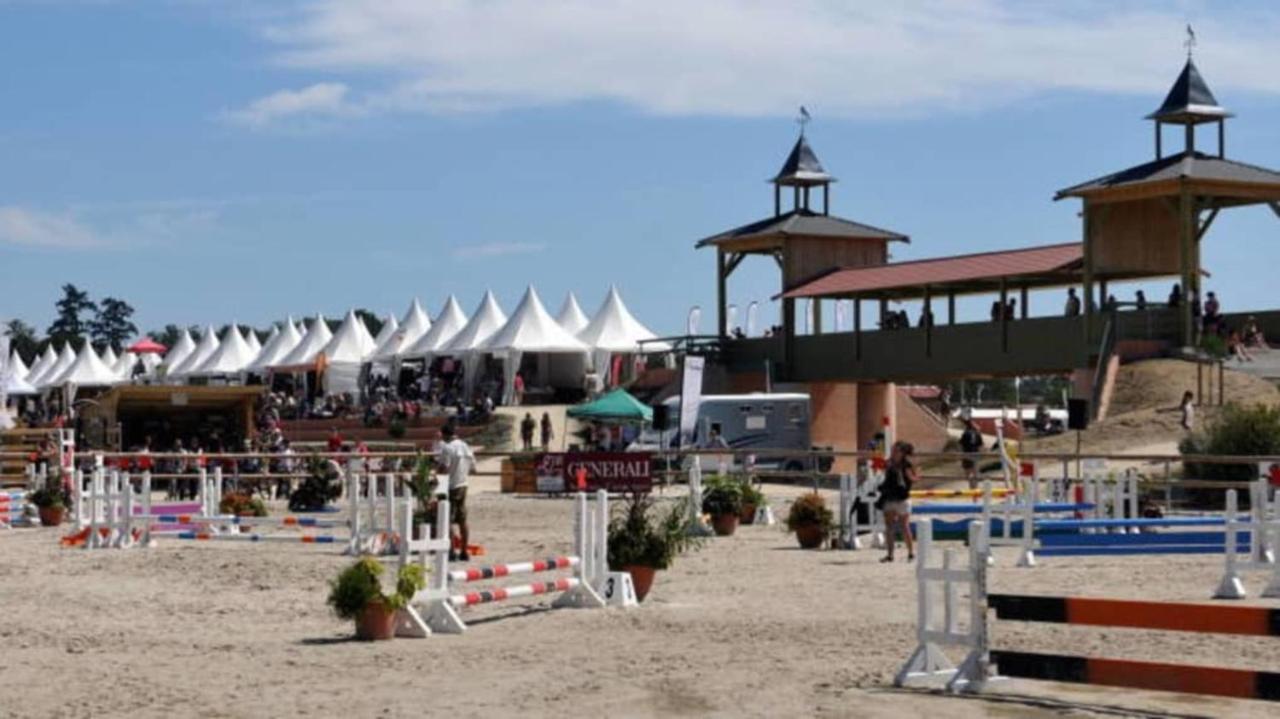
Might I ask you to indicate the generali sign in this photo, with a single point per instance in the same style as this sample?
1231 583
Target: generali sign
611 471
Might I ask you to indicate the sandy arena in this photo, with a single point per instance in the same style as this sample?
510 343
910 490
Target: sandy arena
748 626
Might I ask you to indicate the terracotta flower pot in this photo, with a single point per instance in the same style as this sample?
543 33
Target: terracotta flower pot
810 536
376 622
724 524
642 579
748 514
52 516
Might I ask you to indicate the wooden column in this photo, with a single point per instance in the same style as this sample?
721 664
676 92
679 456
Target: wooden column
1025 302
1087 289
1004 315
817 316
951 307
857 328
928 326
1186 236
884 310
722 319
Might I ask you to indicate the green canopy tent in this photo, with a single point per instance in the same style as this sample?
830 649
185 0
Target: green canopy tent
617 406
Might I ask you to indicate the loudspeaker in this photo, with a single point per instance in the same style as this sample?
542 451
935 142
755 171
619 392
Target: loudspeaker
661 417
1077 414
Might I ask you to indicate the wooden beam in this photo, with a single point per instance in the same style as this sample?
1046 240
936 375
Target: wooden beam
1275 207
722 276
857 328
735 259
1025 301
1086 222
951 307
1004 315
928 325
1186 234
1208 222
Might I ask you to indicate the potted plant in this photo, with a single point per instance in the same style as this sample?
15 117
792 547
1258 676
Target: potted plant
51 501
752 499
242 504
423 484
643 540
722 499
357 595
810 519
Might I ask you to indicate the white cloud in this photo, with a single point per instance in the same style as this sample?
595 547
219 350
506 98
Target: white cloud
324 99
34 228
749 57
497 249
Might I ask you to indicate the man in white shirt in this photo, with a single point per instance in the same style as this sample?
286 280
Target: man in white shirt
456 460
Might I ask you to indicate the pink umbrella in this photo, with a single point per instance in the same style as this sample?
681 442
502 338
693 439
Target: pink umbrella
146 345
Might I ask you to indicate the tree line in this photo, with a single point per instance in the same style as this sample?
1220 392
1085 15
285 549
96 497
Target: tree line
109 323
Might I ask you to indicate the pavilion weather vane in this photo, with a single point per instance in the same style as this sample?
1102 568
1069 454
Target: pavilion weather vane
803 119
1190 42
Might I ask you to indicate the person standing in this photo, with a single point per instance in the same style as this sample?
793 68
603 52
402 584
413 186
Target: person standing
1188 410
527 425
456 460
970 444
548 433
517 387
895 496
1072 308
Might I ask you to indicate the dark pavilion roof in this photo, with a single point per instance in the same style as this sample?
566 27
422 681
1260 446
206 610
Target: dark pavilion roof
1193 166
802 167
805 223
1189 100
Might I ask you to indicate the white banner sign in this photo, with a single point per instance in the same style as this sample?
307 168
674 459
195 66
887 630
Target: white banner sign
690 397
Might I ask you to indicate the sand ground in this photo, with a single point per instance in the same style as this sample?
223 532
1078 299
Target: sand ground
747 626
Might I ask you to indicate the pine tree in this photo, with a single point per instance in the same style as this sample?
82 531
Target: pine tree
69 325
23 338
112 325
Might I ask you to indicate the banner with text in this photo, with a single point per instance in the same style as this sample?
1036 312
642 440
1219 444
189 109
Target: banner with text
611 471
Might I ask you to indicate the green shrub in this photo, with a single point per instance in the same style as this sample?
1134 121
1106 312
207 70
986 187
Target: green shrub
1238 431
642 536
242 504
360 585
397 429
810 510
721 495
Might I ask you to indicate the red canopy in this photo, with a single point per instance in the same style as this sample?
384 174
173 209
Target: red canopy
146 345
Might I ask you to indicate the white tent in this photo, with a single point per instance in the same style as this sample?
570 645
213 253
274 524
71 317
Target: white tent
487 319
15 384
532 330
17 368
571 317
65 359
231 357
308 348
108 356
205 348
251 339
179 352
87 370
346 351
448 323
123 367
414 325
276 348
389 327
42 365
614 330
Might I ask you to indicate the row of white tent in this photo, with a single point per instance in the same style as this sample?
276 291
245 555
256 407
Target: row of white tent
294 347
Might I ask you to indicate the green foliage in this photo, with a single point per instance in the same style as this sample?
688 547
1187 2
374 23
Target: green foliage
360 585
1238 431
722 494
167 336
112 325
322 485
645 537
1213 345
423 484
810 510
396 428
242 504
23 338
70 323
751 494
50 496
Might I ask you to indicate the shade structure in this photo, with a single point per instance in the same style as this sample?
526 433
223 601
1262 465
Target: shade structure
487 319
251 339
123 367
179 353
614 330
303 356
531 329
42 364
58 367
276 348
409 330
346 351
14 384
108 356
205 348
230 359
446 326
571 317
87 370
17 368
146 345
615 406
390 325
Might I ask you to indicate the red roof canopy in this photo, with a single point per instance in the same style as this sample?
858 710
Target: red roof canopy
146 345
1045 264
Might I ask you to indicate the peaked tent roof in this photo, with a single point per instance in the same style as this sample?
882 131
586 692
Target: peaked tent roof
571 317
802 167
487 319
1189 100
17 368
390 326
180 351
42 364
615 405
317 336
351 344
532 329
447 325
276 347
15 383
87 371
804 223
205 348
108 356
414 325
251 339
231 357
123 367
615 329
65 359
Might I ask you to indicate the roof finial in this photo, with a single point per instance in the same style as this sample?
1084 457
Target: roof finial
803 119
1190 42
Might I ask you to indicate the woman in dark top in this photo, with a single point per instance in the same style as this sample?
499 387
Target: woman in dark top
895 495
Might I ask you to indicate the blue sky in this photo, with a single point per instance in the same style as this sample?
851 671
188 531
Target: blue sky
211 161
